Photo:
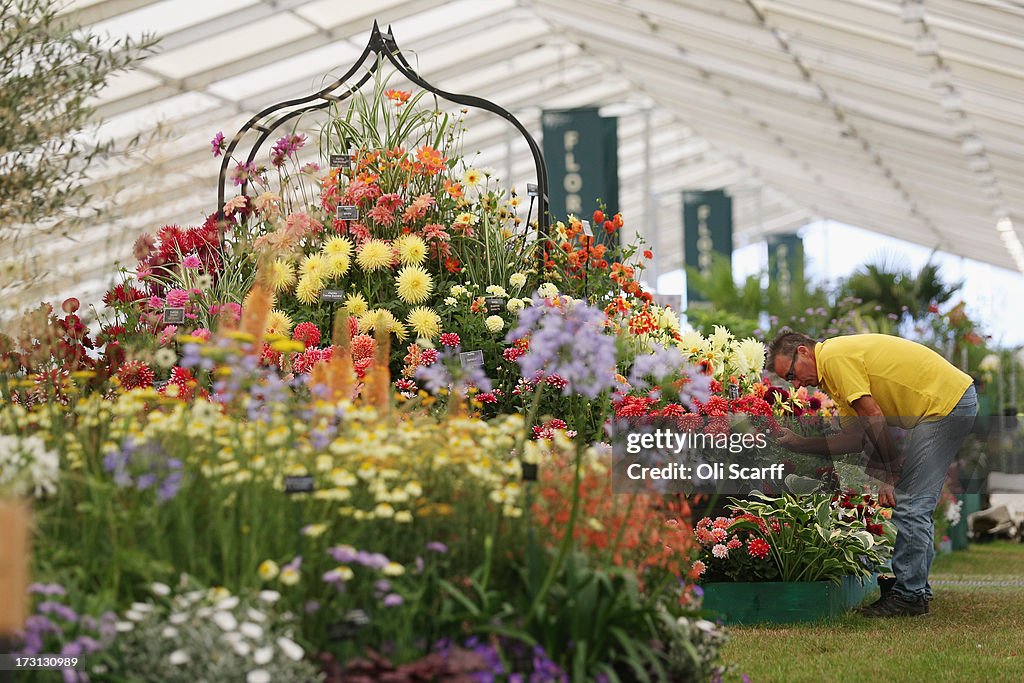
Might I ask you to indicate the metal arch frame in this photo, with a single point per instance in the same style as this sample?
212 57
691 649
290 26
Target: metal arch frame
382 44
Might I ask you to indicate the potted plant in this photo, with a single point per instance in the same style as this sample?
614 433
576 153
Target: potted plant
792 559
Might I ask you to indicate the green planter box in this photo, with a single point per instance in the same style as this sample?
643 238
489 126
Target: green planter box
784 602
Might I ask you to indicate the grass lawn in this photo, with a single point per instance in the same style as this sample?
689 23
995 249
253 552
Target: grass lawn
975 633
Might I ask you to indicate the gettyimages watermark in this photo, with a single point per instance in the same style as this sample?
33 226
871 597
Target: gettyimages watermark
739 454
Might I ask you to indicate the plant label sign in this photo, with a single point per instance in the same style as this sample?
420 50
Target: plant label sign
587 230
348 213
341 161
529 471
174 316
495 304
531 189
332 295
298 484
471 359
734 392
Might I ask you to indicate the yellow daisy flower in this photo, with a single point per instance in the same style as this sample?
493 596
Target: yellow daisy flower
374 255
424 322
268 570
414 284
472 177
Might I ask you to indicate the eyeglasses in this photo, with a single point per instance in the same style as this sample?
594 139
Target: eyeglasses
792 366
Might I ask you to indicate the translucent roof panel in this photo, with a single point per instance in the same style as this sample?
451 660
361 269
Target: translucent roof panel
232 46
901 117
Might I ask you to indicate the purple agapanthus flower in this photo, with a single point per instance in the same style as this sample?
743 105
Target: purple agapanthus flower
567 338
450 373
668 364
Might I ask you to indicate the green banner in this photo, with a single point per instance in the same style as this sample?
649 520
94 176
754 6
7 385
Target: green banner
707 230
581 150
786 262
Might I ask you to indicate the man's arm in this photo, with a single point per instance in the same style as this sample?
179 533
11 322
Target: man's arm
887 466
874 425
849 440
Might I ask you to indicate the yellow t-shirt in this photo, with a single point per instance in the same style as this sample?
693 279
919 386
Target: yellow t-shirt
910 382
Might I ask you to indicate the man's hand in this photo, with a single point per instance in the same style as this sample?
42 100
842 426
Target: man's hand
887 496
789 440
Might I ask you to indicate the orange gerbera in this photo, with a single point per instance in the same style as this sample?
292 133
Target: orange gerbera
431 161
399 97
454 190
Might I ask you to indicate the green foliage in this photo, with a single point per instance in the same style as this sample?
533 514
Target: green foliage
816 540
888 290
614 629
49 72
704 320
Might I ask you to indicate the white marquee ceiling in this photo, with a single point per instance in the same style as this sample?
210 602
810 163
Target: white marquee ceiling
898 117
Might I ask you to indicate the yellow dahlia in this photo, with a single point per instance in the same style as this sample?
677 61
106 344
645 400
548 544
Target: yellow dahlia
282 275
338 245
337 264
308 290
411 249
494 324
382 319
355 304
278 322
374 255
314 266
414 284
424 322
337 253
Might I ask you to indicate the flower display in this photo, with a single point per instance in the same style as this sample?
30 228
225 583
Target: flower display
363 390
773 539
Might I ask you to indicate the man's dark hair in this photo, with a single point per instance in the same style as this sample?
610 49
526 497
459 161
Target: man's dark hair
785 344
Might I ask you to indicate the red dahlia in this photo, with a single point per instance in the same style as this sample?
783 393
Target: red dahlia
716 405
307 333
362 347
405 385
511 353
450 339
135 374
758 548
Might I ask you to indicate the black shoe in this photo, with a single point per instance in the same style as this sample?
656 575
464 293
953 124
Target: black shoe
885 584
895 606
